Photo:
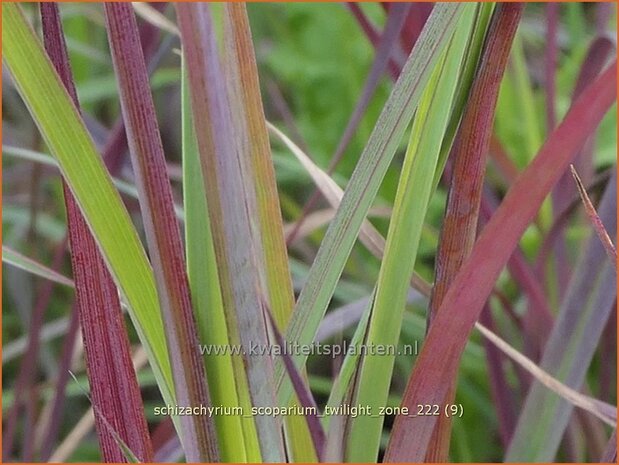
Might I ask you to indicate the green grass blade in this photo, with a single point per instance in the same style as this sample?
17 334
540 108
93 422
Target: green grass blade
205 292
230 193
65 134
363 186
413 195
16 259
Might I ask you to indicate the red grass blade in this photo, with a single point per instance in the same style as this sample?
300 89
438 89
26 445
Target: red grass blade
469 154
463 203
162 230
464 301
113 154
114 386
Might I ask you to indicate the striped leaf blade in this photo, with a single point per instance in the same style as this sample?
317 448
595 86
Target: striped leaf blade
205 292
67 137
114 385
364 183
230 190
414 190
242 73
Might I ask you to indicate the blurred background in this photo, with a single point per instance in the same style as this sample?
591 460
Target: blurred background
314 60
